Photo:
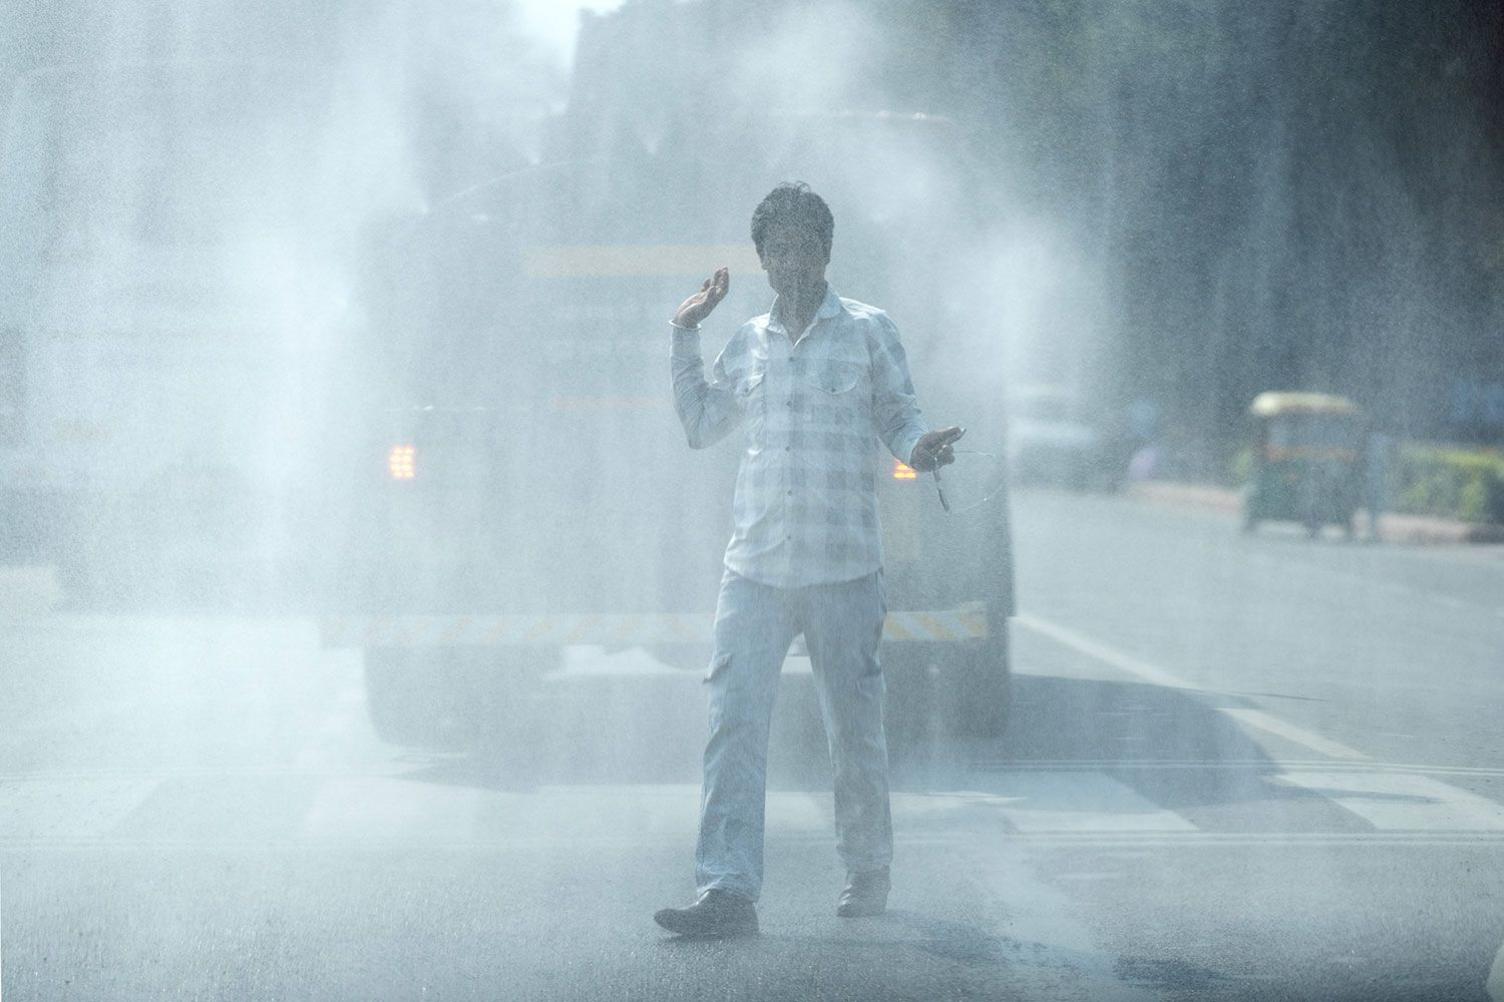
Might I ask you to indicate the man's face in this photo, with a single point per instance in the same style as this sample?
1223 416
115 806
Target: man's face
794 259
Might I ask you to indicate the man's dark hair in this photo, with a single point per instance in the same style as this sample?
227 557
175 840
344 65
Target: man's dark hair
793 202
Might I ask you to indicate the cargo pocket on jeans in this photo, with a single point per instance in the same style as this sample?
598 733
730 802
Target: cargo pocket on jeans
718 666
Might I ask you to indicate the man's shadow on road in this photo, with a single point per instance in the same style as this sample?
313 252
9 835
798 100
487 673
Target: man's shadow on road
1171 747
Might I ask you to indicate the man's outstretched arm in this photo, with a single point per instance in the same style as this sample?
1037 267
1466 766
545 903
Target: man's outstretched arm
899 422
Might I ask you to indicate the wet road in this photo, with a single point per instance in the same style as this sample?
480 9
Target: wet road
1254 768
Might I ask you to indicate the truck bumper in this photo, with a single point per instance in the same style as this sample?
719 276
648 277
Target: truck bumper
968 622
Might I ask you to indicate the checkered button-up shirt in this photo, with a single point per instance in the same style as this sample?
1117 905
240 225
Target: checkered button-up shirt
805 510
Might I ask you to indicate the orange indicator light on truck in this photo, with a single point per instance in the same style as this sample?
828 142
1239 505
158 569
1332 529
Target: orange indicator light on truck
402 462
903 471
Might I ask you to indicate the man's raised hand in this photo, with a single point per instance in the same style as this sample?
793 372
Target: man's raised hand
698 307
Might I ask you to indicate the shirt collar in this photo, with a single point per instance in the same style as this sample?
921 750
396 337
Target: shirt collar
830 306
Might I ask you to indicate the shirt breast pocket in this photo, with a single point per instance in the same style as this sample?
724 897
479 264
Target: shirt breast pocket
749 384
749 388
834 378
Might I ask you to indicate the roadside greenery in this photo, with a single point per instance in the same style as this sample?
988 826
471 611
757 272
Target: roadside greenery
1440 480
1467 484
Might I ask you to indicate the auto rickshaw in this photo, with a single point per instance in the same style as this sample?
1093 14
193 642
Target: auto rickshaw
1307 450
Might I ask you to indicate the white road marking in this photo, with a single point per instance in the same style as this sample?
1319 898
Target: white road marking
1288 731
408 811
1496 977
593 661
1155 675
1033 802
72 720
83 807
28 590
669 809
346 736
1398 802
1052 810
368 807
1108 655
1254 765
397 766
384 809
389 808
1046 841
798 665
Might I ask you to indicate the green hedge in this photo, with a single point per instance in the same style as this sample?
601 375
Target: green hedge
1467 484
1450 482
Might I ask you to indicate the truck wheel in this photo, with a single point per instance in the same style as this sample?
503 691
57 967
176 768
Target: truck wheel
452 698
91 576
978 690
946 690
431 697
404 696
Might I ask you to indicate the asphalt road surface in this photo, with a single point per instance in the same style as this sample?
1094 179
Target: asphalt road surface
1245 768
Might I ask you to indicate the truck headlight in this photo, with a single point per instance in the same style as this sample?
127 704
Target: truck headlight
402 462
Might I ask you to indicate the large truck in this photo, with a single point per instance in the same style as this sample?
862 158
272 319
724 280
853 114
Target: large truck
169 325
532 489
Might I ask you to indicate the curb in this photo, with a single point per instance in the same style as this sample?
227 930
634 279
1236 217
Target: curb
1417 530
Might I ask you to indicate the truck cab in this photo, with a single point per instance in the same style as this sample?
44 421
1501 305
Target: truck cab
531 488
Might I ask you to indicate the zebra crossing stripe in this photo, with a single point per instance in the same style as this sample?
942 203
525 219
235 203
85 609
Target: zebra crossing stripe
1036 802
1083 804
1400 802
359 807
1055 808
42 808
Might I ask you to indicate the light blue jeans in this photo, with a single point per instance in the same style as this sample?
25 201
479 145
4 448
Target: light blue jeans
754 626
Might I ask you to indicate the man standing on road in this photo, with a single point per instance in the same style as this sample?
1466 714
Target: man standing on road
817 380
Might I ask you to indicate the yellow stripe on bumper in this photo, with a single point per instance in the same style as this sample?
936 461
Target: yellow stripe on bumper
969 622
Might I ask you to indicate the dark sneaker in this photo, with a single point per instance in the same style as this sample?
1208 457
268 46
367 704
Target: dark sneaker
865 894
717 914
